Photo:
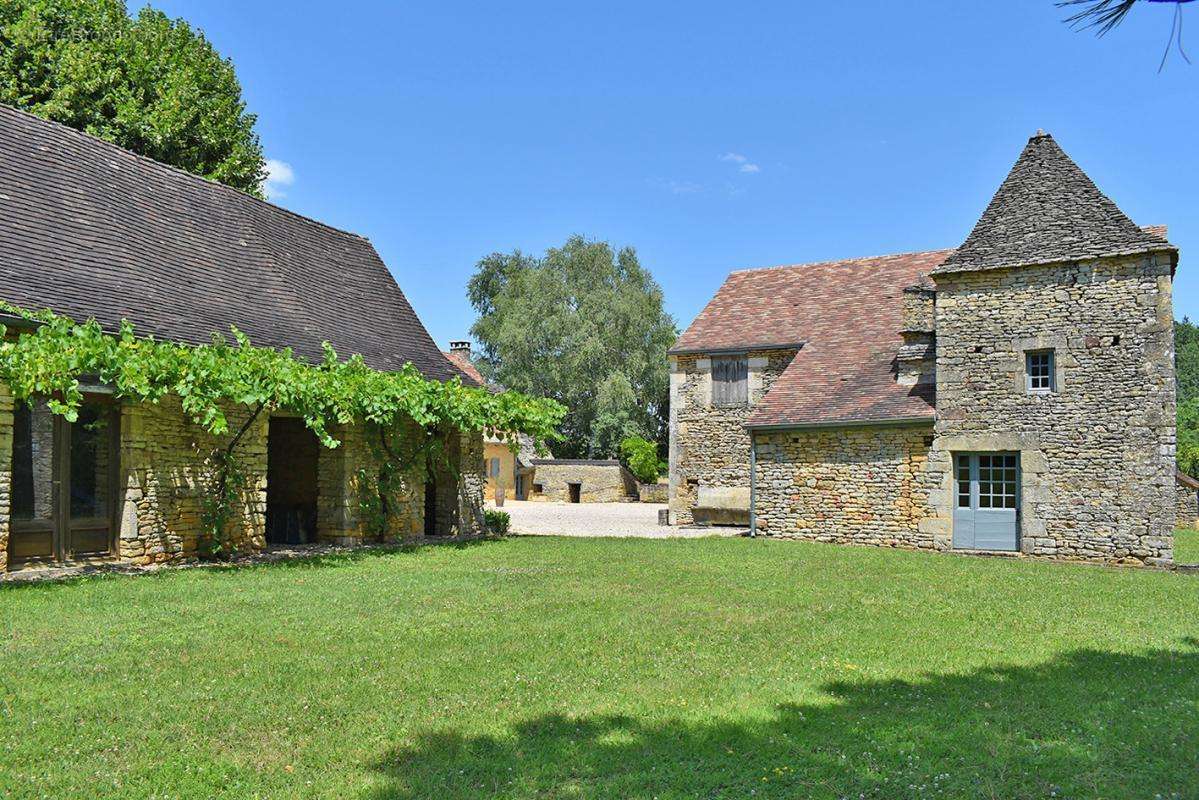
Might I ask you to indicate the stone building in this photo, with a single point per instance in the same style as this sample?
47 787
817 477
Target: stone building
90 230
577 480
508 469
1013 395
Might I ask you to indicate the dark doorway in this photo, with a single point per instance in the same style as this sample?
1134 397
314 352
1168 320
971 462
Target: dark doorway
576 491
291 482
430 504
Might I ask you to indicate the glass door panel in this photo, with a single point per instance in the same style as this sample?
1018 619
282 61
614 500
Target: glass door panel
34 514
91 479
64 478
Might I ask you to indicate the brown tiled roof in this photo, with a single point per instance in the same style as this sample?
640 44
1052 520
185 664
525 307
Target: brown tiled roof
847 315
91 230
1047 210
461 360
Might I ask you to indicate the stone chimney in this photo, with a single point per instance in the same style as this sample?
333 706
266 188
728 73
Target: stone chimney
917 358
460 346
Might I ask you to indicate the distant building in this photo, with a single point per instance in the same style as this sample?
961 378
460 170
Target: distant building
506 471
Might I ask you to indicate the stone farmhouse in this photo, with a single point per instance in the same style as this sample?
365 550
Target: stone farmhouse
88 229
1014 395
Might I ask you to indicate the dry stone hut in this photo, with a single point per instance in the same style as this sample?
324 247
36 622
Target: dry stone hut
1013 395
90 230
579 480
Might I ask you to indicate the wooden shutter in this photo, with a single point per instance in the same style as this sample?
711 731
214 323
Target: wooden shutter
730 380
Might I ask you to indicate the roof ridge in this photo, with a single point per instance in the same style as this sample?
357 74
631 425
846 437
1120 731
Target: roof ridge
179 170
832 261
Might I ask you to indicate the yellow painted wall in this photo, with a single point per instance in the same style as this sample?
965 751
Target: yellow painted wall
507 470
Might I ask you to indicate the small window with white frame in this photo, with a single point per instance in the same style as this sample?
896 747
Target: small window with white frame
730 380
1039 371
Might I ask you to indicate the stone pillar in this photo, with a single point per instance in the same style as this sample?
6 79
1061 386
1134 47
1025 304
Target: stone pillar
338 502
460 485
347 487
167 473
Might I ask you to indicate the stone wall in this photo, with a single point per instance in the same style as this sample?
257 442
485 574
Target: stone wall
852 485
653 492
347 500
709 446
1186 495
1097 454
599 481
460 487
166 471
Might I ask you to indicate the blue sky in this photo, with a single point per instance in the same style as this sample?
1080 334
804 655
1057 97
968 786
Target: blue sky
709 136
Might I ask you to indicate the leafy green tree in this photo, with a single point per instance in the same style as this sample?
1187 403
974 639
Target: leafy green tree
641 457
583 325
151 84
1186 368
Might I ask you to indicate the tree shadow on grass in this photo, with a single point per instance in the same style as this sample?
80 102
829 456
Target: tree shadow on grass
1086 724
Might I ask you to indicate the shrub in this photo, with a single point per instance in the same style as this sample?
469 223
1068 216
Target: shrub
497 521
641 457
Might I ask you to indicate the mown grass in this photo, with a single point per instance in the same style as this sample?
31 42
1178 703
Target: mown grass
1186 546
559 668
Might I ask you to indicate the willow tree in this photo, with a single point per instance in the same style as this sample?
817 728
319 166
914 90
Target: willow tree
583 325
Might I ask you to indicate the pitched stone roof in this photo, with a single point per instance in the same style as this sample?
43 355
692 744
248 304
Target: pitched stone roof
846 315
91 230
1048 210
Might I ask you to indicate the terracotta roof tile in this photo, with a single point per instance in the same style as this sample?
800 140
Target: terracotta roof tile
91 230
847 314
461 360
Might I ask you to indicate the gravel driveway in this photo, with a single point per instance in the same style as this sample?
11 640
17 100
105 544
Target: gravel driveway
599 519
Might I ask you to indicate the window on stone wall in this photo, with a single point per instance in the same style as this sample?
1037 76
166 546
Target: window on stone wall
730 380
1038 367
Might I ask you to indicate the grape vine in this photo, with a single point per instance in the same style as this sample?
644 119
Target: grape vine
55 353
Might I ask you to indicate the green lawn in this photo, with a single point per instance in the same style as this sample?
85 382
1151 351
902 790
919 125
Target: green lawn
556 668
1186 547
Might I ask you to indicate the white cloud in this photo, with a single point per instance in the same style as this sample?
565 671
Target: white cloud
677 187
743 162
684 187
279 176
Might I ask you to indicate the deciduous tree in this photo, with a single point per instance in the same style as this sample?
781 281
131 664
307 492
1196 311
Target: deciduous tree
151 84
583 325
